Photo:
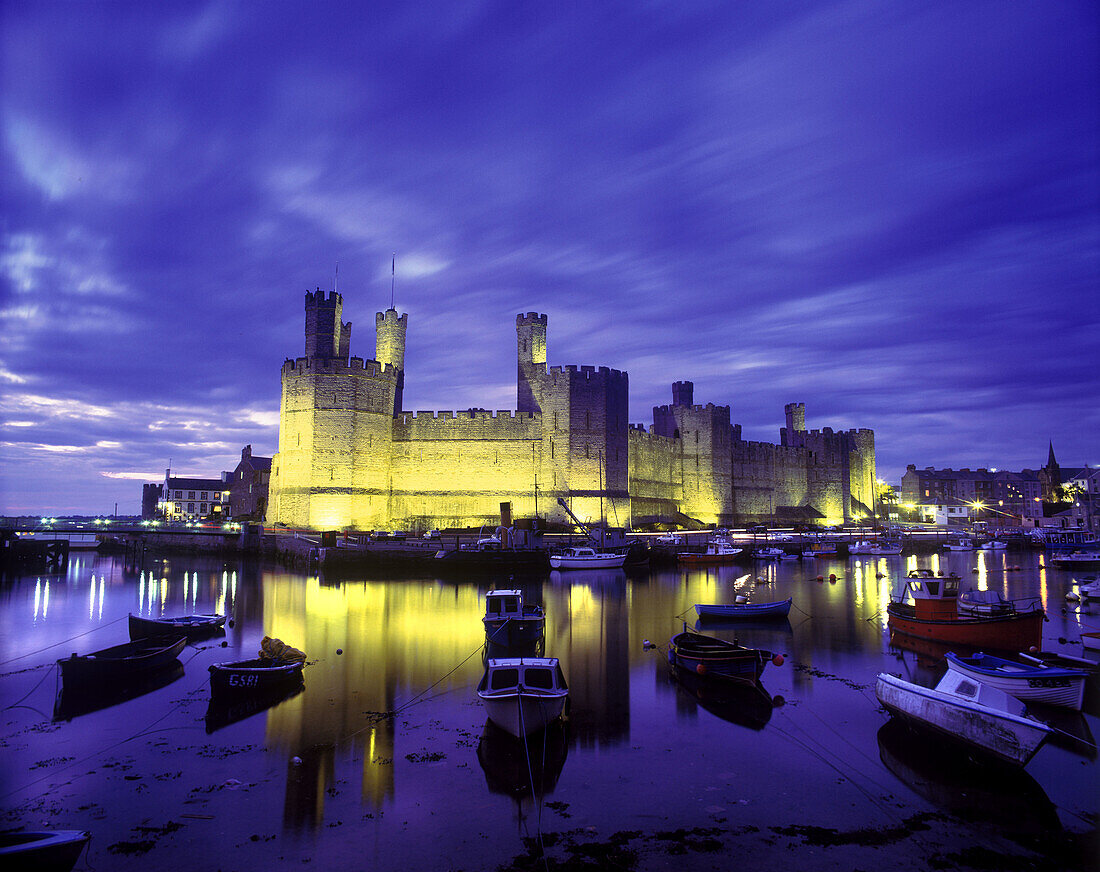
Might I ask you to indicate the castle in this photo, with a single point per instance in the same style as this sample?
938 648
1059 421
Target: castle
350 456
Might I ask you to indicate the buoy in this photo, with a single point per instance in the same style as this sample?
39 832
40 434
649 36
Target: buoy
975 570
778 701
778 660
740 599
821 578
231 623
225 644
296 761
880 575
646 645
1033 649
701 669
339 650
1061 640
832 578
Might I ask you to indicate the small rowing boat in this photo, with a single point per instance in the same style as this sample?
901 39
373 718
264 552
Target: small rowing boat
717 658
41 851
121 662
749 611
189 626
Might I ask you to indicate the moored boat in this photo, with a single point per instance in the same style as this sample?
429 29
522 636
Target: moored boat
189 626
958 543
767 553
121 662
748 611
41 851
716 552
968 711
523 694
876 547
1029 682
582 557
259 674
934 614
509 621
717 658
983 603
1075 559
993 545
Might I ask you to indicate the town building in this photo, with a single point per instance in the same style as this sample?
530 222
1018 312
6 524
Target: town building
248 487
946 496
194 499
350 456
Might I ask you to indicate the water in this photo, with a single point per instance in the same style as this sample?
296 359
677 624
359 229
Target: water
385 759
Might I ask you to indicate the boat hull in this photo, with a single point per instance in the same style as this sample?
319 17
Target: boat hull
121 662
48 851
511 632
716 658
603 561
1017 632
189 626
1048 685
747 611
253 676
525 712
1001 735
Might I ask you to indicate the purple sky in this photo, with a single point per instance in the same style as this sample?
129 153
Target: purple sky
889 211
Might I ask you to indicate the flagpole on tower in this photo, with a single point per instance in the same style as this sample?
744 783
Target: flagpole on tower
393 273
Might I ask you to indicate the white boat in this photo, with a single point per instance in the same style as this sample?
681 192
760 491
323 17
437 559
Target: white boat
1091 641
716 551
1028 682
669 540
958 544
586 558
1072 559
968 711
523 694
994 545
876 548
983 604
768 553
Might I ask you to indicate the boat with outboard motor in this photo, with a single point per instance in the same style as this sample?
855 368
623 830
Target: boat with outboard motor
718 659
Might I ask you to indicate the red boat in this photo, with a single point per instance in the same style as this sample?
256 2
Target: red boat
934 614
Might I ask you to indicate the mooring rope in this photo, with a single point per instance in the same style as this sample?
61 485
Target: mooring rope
62 642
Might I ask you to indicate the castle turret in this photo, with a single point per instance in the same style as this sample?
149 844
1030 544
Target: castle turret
327 338
390 347
796 417
683 393
531 359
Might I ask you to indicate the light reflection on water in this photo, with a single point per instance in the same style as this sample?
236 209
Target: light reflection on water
414 647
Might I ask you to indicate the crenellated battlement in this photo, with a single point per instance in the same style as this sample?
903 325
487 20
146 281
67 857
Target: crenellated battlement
390 315
319 298
588 372
354 366
464 415
709 407
530 318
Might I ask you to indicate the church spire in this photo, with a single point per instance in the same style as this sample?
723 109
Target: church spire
1051 462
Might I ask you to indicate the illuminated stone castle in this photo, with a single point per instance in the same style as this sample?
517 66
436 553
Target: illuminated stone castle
350 457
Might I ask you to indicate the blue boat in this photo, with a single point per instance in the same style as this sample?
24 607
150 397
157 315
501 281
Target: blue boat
1028 682
748 611
717 658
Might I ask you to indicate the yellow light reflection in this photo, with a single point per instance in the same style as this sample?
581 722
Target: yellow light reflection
37 596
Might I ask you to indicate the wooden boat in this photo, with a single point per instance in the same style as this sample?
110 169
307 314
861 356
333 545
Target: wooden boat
121 662
225 709
934 614
742 703
717 658
767 553
993 545
41 851
523 694
716 552
1091 641
586 558
189 626
967 711
261 674
82 698
958 543
489 556
509 621
876 547
1029 682
749 611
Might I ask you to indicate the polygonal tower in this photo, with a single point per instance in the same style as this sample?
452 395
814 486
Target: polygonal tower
389 344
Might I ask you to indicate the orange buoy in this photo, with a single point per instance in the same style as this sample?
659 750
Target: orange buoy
701 668
821 578
778 659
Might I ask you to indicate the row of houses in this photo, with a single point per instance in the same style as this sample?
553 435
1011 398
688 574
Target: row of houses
240 495
1048 496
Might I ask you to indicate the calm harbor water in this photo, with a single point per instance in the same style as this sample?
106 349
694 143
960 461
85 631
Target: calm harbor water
385 759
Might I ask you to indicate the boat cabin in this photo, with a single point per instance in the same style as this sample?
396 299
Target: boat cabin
579 552
935 597
533 673
501 604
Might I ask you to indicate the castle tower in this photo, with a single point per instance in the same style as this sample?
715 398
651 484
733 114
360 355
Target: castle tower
531 361
683 393
389 343
796 417
327 338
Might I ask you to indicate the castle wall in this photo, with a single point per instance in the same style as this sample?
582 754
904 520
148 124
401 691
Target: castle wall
654 477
